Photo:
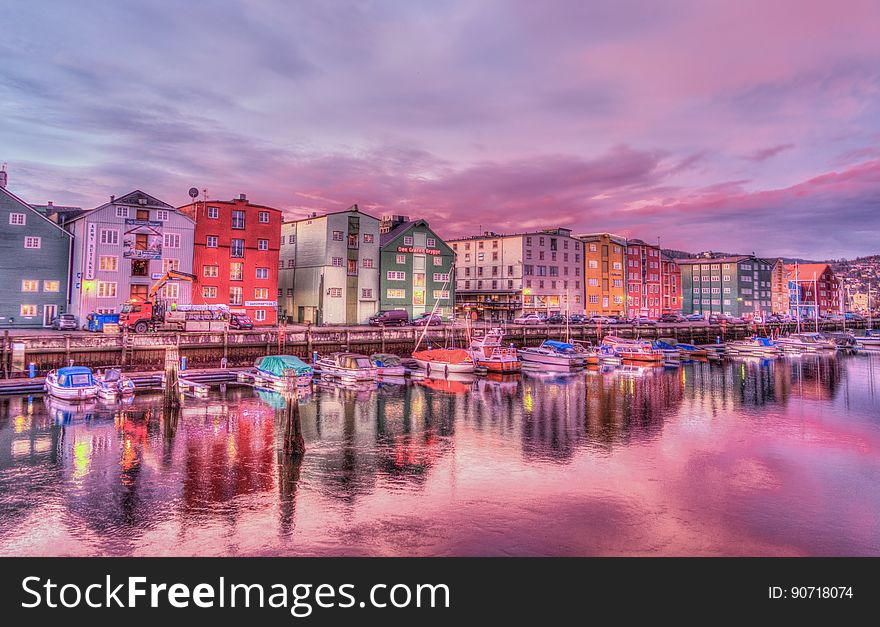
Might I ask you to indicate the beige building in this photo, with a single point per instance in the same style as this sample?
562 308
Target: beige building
604 274
500 277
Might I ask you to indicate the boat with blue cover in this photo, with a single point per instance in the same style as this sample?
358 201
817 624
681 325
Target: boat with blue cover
273 371
71 383
553 353
757 346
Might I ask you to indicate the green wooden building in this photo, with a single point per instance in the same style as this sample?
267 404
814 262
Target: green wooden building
34 265
416 268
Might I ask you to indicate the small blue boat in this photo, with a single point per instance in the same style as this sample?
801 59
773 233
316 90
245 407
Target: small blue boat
71 383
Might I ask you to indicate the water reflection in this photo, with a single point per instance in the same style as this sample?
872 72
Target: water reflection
706 459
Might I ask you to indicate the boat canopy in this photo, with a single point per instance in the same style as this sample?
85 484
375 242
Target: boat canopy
75 376
444 355
277 364
764 341
385 359
561 346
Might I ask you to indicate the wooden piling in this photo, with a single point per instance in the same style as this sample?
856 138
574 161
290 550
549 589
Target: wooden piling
5 356
172 386
294 443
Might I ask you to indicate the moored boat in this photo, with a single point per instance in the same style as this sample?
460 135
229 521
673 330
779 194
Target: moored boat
444 360
870 338
844 340
633 350
113 384
348 366
810 342
71 383
273 371
489 352
756 346
553 353
388 365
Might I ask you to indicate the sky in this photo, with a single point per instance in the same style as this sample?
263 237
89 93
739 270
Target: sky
748 126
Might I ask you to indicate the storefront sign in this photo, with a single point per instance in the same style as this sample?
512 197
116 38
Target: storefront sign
91 243
418 251
261 303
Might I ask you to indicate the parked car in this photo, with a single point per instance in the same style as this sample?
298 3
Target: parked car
850 315
602 320
695 317
240 322
427 318
555 319
64 322
671 317
577 319
528 319
642 321
390 317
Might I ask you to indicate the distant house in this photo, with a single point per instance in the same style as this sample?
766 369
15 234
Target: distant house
34 264
812 285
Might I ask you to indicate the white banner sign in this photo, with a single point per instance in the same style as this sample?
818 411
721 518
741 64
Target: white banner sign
261 303
91 243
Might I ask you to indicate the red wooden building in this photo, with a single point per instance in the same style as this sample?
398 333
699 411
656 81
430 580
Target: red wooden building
235 256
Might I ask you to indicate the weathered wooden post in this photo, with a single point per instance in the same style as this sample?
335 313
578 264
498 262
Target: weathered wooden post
309 343
5 361
226 342
382 335
294 444
172 385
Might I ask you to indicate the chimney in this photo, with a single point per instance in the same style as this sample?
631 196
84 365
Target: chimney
4 178
242 197
112 198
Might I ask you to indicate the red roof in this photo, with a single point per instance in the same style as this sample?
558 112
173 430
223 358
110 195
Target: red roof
805 270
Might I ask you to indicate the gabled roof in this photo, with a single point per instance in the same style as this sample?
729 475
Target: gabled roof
353 209
131 200
386 238
805 270
34 211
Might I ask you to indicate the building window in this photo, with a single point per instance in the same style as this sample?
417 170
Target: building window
593 264
32 242
51 286
352 268
262 273
260 315
481 256
237 219
367 292
106 289
433 242
162 215
337 236
209 292
170 264
395 276
213 212
368 263
262 244
211 241
335 292
291 239
261 293
236 248
441 277
109 236
171 290
441 294
395 293
368 239
211 271
291 263
108 263
408 240
30 285
337 262
467 285
171 240
121 212
352 240
236 271
264 217
28 311
438 261
235 295
401 259
19 219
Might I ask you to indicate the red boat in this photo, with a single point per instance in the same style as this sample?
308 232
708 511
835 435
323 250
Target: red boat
488 351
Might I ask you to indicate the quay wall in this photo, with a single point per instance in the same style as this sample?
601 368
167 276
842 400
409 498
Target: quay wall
135 352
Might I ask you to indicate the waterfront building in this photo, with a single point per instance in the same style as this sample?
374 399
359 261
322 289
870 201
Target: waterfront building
738 285
415 267
124 246
235 256
779 289
813 284
34 264
653 281
330 272
604 274
500 277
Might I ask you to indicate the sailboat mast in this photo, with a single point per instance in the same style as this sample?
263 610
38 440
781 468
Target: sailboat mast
816 301
436 304
797 296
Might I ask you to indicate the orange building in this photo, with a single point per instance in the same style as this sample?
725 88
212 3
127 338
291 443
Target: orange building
604 274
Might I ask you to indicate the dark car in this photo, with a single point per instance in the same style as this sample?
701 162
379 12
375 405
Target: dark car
240 322
671 317
390 317
577 319
427 318
555 319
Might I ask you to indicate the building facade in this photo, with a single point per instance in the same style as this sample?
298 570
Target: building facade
653 281
34 264
330 271
416 267
235 256
739 286
670 289
813 284
499 277
122 247
604 274
779 289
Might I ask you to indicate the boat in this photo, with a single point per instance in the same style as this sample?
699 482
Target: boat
633 350
691 351
871 338
669 349
756 346
348 366
389 365
71 383
553 353
273 371
444 360
489 352
113 384
806 342
844 340
67 411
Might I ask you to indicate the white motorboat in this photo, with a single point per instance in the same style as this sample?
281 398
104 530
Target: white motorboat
71 383
809 342
348 366
113 384
553 353
444 360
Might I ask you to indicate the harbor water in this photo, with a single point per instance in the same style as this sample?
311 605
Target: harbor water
744 457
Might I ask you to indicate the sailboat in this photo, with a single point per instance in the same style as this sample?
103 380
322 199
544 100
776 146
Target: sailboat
872 336
443 360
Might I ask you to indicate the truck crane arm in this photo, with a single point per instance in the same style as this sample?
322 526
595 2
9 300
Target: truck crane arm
170 275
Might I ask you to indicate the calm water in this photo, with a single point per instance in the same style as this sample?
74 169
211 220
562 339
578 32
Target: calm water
747 457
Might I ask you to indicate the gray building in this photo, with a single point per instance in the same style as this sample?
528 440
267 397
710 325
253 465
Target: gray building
329 268
34 264
122 247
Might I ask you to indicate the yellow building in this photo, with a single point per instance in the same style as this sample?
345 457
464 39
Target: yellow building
604 274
